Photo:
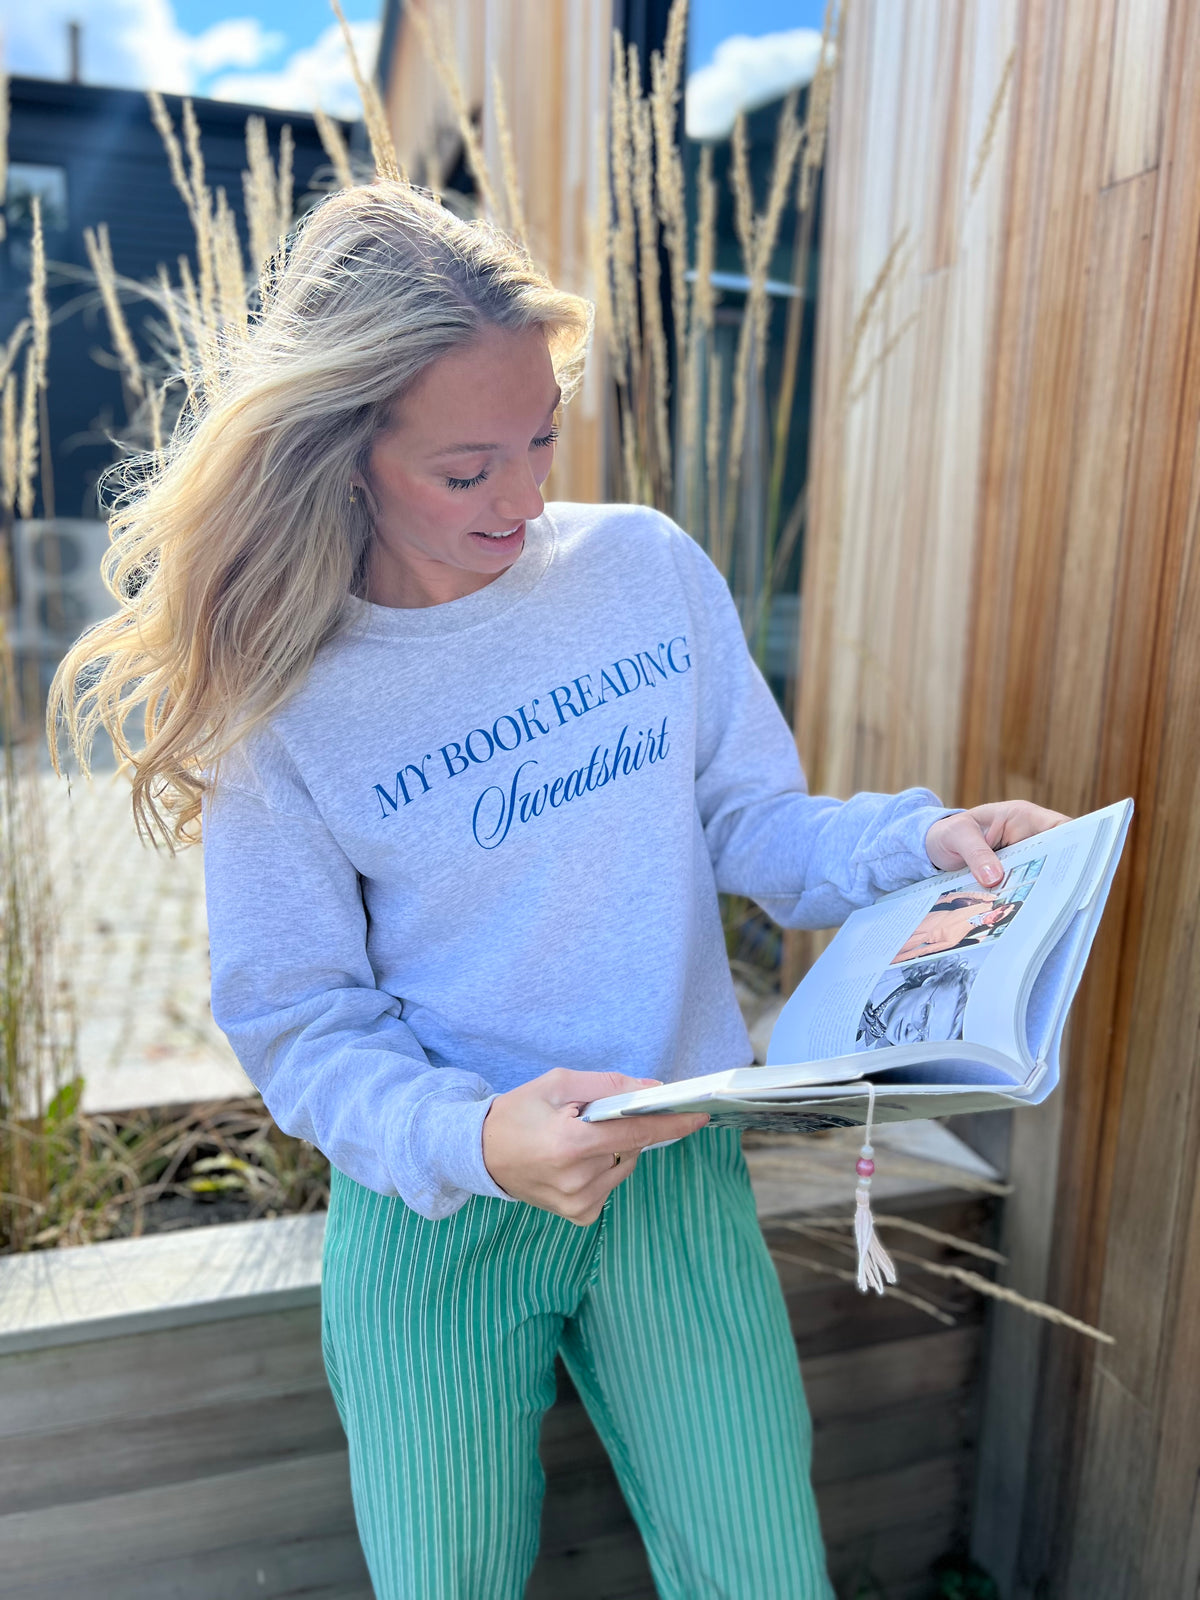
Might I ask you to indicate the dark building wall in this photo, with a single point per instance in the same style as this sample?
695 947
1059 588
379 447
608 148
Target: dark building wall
116 172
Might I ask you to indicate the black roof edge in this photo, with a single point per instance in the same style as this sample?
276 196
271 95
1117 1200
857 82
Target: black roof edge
59 91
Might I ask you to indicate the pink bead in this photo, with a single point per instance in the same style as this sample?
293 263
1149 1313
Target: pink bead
864 1168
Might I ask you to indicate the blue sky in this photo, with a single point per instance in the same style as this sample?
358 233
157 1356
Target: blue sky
300 20
288 53
296 22
285 53
712 20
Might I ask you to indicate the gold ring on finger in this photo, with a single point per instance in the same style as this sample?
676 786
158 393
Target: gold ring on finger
616 1161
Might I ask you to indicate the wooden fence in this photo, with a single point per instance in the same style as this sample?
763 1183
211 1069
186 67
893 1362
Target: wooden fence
1003 597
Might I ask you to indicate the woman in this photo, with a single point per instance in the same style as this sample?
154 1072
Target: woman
957 921
471 772
928 1002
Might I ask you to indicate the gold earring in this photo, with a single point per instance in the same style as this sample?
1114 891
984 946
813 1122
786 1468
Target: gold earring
353 494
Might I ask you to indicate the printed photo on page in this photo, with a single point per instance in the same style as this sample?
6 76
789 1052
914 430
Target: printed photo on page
922 996
965 917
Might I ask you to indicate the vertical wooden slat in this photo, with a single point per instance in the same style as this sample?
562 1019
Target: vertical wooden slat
827 483
1142 1404
1175 1500
894 459
1134 123
1103 422
953 85
1051 315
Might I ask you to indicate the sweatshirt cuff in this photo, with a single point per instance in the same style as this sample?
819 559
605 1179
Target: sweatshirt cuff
445 1154
903 857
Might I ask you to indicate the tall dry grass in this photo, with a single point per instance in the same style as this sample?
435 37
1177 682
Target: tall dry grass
378 132
67 1177
121 1174
38 1067
197 311
696 435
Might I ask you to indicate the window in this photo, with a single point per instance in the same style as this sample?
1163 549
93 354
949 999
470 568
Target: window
25 180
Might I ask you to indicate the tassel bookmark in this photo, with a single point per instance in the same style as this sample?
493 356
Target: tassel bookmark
874 1263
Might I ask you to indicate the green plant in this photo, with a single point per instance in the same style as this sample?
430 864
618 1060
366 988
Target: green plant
957 1577
106 1174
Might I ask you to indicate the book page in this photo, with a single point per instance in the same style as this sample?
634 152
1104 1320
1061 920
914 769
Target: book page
907 970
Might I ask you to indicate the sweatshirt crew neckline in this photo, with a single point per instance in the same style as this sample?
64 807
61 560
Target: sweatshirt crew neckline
472 610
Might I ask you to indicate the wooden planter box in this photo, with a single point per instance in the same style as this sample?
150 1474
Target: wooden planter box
166 1431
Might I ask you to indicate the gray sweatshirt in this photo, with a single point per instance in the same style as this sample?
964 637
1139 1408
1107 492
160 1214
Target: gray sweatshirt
485 838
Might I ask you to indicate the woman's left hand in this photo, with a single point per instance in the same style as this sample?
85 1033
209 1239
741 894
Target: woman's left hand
971 838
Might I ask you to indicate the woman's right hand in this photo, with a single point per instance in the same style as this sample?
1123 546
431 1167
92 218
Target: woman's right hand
537 1149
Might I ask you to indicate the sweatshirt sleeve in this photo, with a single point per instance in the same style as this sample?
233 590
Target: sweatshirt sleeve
294 993
808 860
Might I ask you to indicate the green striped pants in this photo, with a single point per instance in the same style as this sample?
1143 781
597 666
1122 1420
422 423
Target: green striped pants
440 1340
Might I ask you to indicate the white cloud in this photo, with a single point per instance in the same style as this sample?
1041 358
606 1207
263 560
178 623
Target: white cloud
237 42
745 73
138 44
132 44
319 74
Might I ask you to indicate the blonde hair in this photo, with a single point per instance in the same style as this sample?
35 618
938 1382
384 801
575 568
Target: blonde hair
232 554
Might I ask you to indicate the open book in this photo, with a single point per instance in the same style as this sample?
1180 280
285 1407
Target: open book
946 996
